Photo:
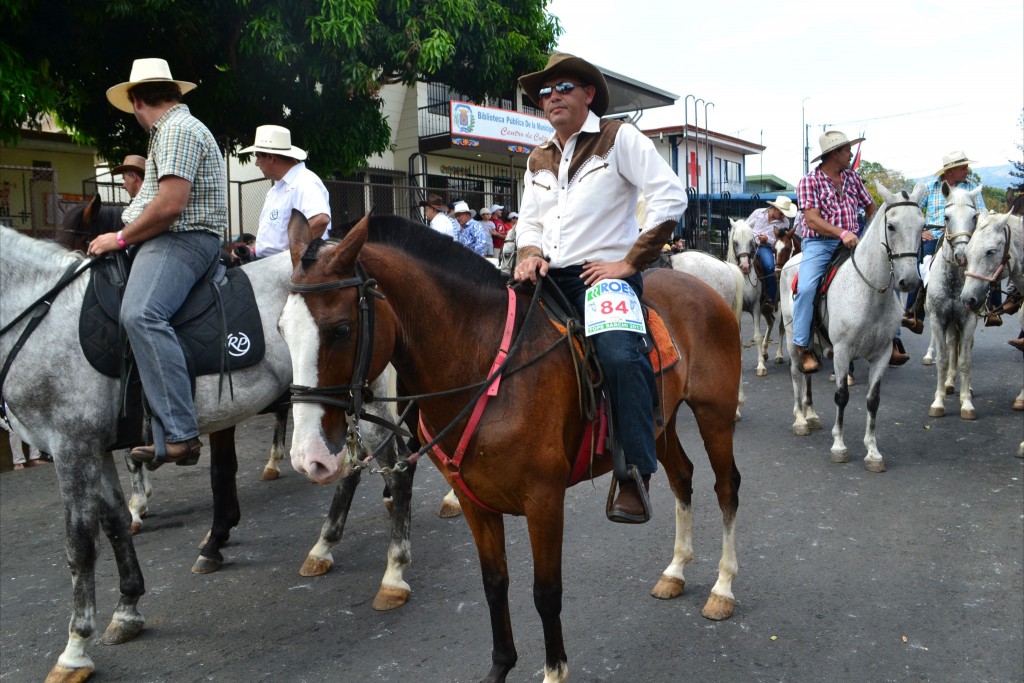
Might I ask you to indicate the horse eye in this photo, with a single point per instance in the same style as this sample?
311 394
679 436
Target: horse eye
340 333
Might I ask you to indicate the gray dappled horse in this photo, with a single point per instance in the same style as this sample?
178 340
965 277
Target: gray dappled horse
742 252
995 252
863 314
952 324
43 394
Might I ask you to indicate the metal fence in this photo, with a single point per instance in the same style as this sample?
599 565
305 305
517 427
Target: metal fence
705 225
29 201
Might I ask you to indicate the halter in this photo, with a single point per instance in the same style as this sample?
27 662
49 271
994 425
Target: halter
889 253
1002 262
949 238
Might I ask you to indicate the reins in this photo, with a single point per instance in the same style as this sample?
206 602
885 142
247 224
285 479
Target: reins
1002 262
889 253
38 309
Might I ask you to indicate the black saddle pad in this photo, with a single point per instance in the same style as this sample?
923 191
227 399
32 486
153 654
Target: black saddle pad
199 323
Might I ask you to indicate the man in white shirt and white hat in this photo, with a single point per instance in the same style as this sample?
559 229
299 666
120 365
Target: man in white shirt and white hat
295 187
768 223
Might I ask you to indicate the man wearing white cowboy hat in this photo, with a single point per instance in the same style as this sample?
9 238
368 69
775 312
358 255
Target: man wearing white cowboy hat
830 197
177 220
294 187
955 170
768 223
471 233
132 171
577 225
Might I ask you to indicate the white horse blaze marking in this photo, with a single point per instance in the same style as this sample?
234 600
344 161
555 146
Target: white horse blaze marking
299 331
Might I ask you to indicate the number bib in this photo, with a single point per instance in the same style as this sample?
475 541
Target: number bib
613 305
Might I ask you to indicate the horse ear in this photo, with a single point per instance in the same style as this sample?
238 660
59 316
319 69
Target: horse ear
919 191
946 189
299 236
976 192
343 259
92 209
887 196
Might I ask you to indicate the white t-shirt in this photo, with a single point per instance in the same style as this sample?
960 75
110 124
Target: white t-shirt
299 189
442 224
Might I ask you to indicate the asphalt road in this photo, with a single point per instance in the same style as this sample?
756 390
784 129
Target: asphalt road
845 575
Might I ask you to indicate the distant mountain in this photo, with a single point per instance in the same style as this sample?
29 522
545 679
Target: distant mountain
991 176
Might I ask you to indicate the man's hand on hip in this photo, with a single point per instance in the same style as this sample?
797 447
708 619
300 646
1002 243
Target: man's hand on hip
595 271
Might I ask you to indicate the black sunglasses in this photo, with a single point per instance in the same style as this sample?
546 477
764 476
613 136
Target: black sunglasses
561 88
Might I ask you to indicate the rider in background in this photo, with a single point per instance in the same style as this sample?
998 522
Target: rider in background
767 224
577 226
829 197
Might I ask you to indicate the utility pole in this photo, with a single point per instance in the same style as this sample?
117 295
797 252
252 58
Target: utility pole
709 156
803 132
686 138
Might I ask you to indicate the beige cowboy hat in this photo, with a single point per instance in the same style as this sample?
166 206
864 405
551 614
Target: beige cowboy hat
952 160
561 63
132 162
435 202
785 205
833 139
462 207
275 140
144 71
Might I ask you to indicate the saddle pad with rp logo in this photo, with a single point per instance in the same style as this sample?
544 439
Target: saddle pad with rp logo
200 324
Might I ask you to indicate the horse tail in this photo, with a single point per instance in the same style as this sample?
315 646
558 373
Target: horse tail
737 298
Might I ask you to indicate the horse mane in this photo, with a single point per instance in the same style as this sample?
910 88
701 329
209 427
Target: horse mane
434 251
29 249
738 224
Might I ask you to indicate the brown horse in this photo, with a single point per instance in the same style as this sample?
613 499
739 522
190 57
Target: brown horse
439 320
787 245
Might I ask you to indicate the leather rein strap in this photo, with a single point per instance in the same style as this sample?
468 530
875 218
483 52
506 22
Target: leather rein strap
891 256
1002 262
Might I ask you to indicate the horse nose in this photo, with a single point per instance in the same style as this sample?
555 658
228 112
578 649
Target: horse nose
969 301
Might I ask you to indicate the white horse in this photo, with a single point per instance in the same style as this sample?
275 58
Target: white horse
952 324
724 278
863 315
995 252
44 396
742 252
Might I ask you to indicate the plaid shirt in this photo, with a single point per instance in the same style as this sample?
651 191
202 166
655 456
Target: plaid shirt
759 223
839 208
180 145
934 205
475 237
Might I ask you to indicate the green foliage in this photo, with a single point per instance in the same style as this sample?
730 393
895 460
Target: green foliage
894 181
1018 164
315 66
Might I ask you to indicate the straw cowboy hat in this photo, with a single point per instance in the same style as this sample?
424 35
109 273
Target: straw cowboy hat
561 63
952 160
150 70
435 202
275 140
132 162
785 205
831 140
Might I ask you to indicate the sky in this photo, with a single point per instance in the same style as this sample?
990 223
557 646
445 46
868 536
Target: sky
917 78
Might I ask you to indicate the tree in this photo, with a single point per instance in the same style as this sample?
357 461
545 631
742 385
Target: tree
894 181
1018 164
316 67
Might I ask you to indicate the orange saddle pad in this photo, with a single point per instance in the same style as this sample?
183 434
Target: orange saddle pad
664 354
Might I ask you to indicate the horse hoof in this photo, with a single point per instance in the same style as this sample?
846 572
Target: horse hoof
121 632
874 464
814 422
841 456
780 361
850 381
63 674
390 597
1018 404
205 565
315 566
801 430
968 414
389 505
269 474
936 411
762 372
927 361
718 608
448 511
136 528
668 587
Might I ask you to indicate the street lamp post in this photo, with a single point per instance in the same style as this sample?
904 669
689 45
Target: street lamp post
803 132
710 158
686 147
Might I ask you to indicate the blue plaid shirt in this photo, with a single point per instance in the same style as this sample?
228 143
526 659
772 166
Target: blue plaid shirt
934 205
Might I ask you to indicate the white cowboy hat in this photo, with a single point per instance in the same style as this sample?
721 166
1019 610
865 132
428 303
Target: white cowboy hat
275 140
785 205
146 70
952 160
833 139
462 207
485 211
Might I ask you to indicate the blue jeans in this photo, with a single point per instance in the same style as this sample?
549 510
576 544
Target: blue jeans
817 251
628 376
165 269
766 255
927 249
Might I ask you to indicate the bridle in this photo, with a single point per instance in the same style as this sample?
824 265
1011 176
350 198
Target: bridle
949 238
1002 262
888 250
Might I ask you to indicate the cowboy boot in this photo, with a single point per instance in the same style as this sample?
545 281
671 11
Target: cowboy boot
808 363
899 355
181 453
631 505
914 319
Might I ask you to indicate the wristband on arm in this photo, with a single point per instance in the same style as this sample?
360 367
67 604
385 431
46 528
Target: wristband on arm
843 234
120 240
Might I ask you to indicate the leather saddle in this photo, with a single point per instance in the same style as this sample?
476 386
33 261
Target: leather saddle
218 327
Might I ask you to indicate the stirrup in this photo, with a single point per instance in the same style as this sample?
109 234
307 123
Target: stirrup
645 498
